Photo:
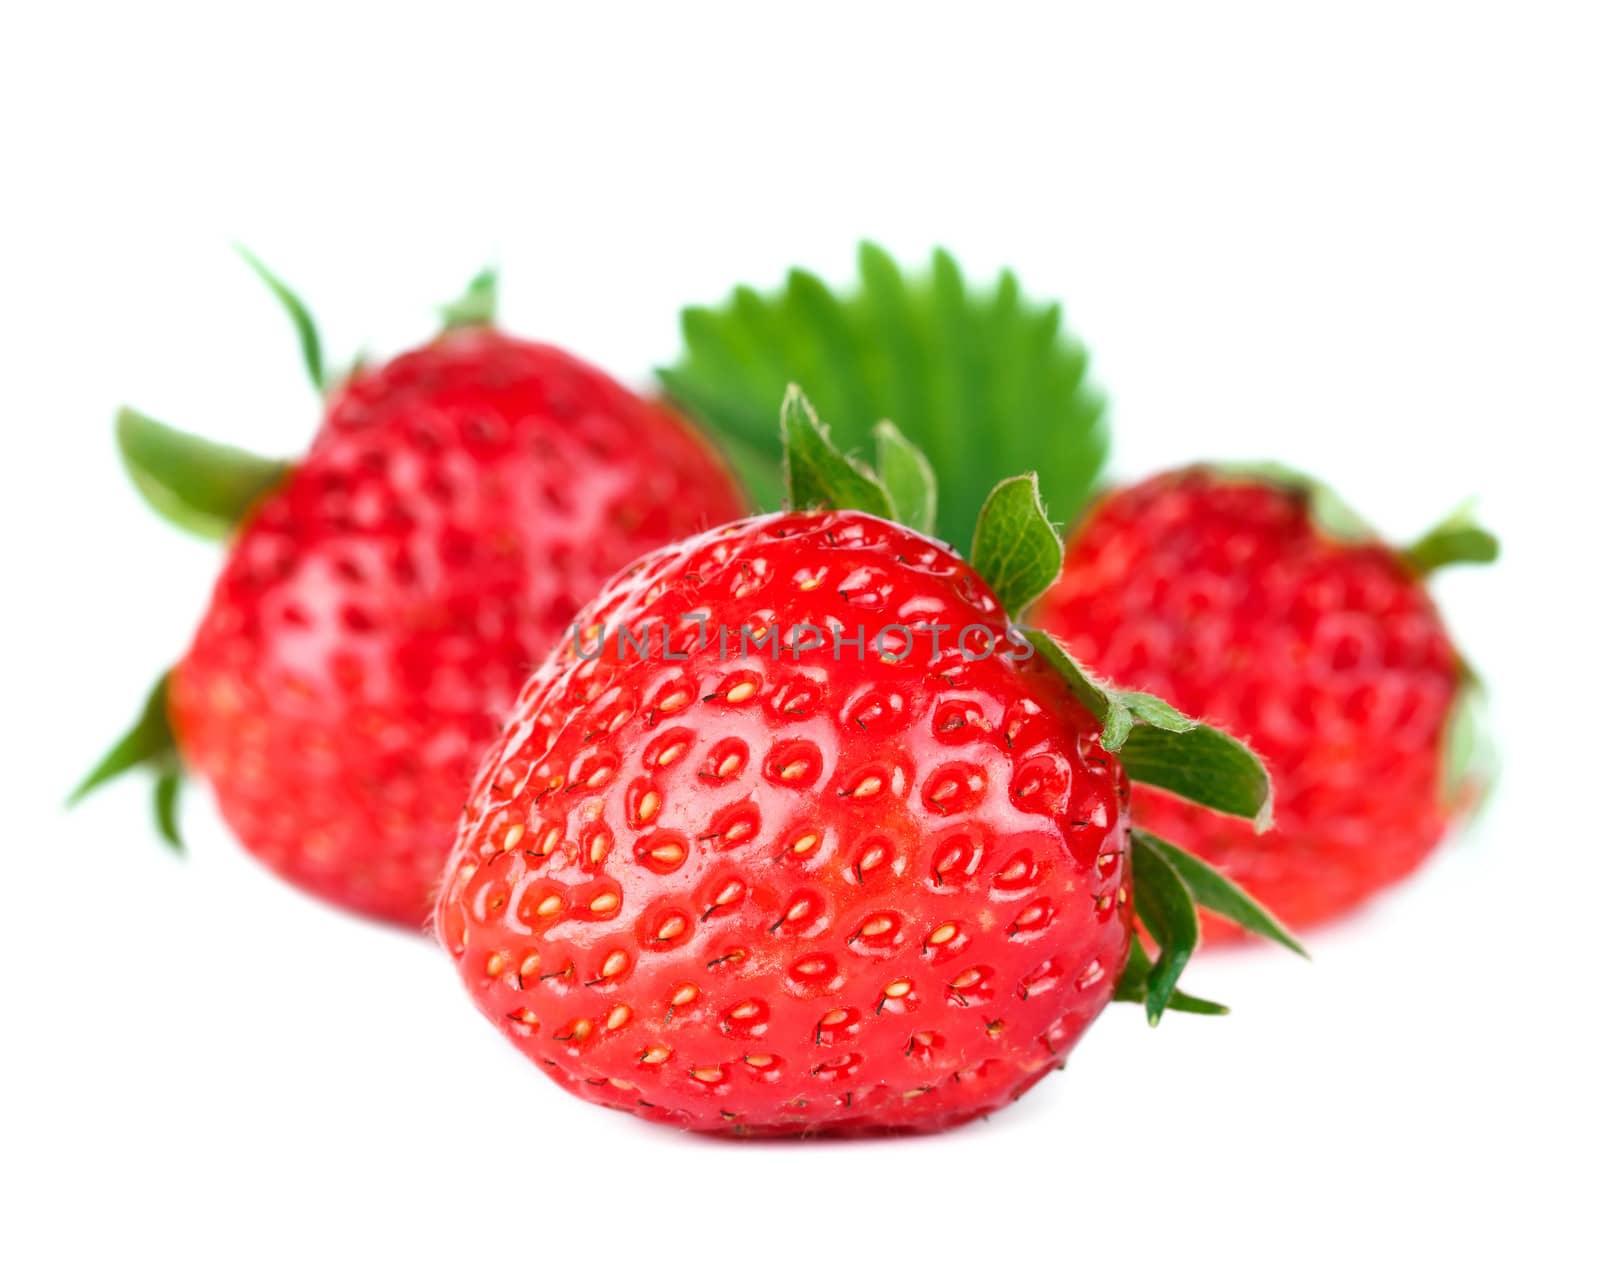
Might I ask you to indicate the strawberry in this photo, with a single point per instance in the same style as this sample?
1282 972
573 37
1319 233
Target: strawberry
383 599
1253 600
727 870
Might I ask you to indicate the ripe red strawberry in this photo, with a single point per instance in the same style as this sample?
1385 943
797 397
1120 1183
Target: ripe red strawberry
382 603
1252 602
751 878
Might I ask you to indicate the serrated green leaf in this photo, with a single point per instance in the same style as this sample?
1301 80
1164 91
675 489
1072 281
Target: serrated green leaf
304 325
985 382
1162 747
1457 540
1165 906
908 477
201 486
818 474
149 741
1214 892
477 304
1014 547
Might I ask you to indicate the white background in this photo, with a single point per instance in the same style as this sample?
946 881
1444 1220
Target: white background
1363 243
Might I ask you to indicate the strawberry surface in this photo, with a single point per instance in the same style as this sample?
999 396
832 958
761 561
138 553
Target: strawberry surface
732 886
380 609
1224 597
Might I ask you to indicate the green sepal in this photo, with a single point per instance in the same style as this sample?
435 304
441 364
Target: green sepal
1328 510
148 743
1163 902
1132 986
204 487
817 474
907 477
1170 887
477 304
1161 747
984 380
1201 764
305 327
164 796
1014 547
1456 540
1471 764
1214 892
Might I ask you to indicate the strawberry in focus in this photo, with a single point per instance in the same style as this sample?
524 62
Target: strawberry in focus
727 871
1251 600
383 599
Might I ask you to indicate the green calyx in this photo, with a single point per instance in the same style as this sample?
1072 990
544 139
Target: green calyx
477 304
1458 539
984 381
1161 747
148 744
1169 887
1017 551
305 327
209 489
203 487
1471 763
1327 509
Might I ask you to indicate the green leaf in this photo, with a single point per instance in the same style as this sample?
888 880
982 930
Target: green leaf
305 327
203 487
908 477
1160 746
818 474
1214 892
1458 539
149 741
1167 909
983 380
476 306
1014 547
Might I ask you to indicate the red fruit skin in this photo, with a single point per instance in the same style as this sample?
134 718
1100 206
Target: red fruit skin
788 894
377 614
1222 597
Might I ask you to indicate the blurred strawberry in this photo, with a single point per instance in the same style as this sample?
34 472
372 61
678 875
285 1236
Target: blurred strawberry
384 597
1252 599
